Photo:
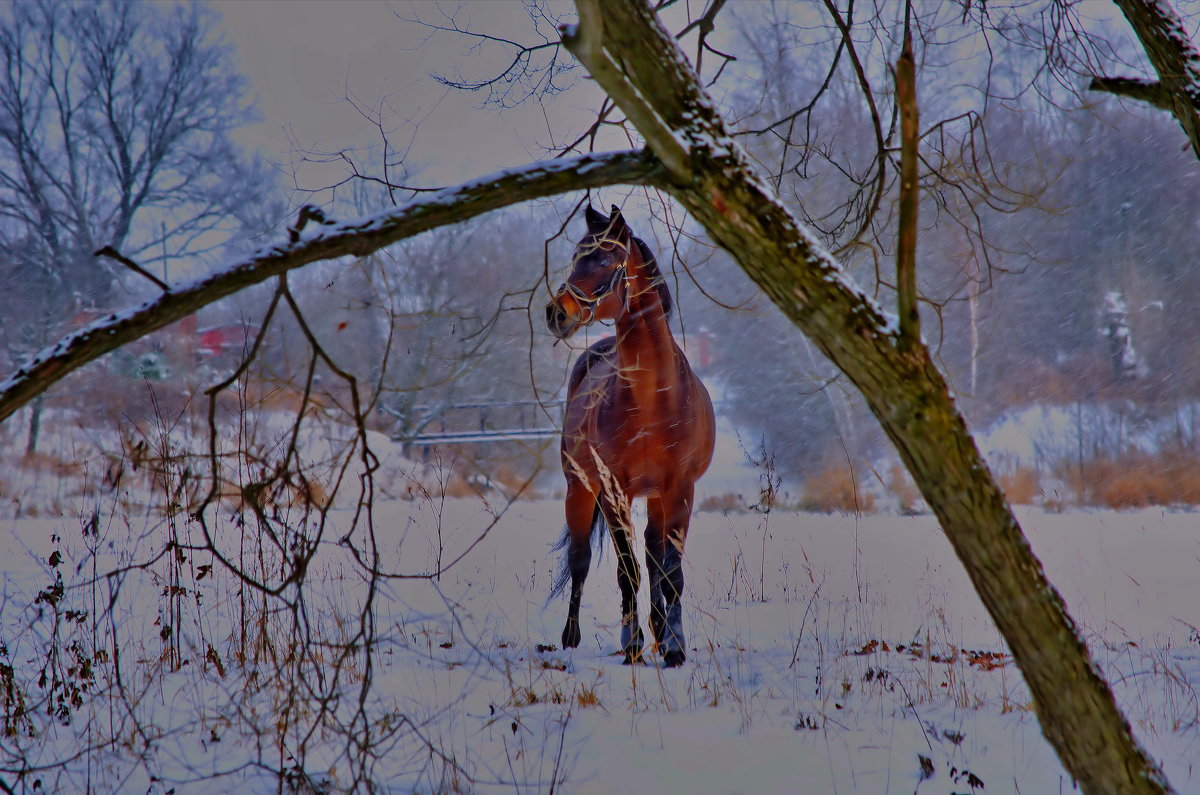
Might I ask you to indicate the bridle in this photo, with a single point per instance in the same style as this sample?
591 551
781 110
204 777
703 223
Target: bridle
587 306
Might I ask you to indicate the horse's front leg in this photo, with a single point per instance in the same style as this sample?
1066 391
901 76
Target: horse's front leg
666 531
629 575
581 514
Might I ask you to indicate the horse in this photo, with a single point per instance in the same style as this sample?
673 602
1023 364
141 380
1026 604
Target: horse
637 423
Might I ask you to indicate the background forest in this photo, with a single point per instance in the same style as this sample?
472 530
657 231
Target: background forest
1056 246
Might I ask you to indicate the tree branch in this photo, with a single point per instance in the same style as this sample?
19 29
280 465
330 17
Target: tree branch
352 238
906 244
113 254
641 105
1173 55
902 386
1147 91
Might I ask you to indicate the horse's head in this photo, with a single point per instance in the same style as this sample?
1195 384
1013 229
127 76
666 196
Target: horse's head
595 289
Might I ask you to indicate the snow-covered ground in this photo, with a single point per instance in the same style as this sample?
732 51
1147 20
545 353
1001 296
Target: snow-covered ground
827 654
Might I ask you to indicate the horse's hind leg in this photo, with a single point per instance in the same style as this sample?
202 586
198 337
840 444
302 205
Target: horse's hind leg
629 575
581 511
666 532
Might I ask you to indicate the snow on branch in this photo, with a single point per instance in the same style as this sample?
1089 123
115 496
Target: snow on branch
586 40
358 238
1148 91
1174 57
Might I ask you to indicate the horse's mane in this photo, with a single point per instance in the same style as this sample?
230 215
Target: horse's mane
659 281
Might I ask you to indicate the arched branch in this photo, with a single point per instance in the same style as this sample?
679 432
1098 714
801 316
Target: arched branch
358 238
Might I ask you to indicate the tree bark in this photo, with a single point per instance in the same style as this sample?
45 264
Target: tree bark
355 238
903 388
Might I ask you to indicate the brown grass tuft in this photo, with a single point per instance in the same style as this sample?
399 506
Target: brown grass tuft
1023 486
586 697
1136 479
836 490
722 503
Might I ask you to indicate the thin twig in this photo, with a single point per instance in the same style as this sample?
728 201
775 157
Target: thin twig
113 254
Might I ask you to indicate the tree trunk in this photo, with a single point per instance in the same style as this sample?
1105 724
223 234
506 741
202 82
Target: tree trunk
638 63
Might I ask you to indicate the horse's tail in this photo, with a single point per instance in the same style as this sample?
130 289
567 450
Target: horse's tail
599 531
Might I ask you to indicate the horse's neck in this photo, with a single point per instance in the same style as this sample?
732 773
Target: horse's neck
643 329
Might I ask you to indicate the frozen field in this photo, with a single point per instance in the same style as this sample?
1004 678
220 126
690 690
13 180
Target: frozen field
827 654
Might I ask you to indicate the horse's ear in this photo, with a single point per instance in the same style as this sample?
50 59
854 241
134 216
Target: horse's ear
596 222
616 223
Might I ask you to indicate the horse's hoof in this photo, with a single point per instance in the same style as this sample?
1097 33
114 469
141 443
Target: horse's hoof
570 636
674 658
632 656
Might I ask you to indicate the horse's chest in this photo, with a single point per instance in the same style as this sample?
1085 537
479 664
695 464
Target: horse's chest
647 442
635 429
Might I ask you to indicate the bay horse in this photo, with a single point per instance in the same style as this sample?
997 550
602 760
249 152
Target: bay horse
637 423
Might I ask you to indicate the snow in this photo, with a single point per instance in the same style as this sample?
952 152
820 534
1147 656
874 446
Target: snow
788 686
826 653
1040 436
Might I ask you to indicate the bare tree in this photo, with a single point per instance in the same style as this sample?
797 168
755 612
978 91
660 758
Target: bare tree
115 122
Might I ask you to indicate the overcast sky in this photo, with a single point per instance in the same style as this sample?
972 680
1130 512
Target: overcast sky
303 57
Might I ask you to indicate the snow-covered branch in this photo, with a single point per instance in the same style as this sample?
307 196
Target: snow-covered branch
1174 57
358 237
1148 91
641 102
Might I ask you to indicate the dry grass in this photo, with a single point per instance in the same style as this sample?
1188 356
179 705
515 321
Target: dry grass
901 485
1022 486
1135 479
722 503
458 487
836 489
586 697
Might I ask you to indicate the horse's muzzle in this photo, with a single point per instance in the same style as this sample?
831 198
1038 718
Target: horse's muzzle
558 318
